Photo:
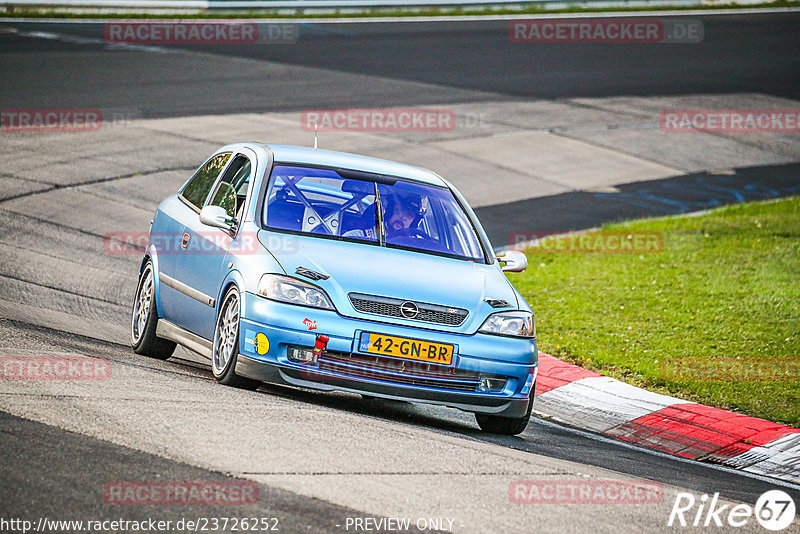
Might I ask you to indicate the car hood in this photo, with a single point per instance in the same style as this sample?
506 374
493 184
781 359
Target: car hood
379 271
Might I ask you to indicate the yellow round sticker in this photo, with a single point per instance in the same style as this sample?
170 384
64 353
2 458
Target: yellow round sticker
261 344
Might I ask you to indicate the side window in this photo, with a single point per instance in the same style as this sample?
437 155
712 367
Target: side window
232 189
200 185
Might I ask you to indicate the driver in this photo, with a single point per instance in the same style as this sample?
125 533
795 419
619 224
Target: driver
403 210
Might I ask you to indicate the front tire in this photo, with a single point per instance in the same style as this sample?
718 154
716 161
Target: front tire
509 426
144 318
226 344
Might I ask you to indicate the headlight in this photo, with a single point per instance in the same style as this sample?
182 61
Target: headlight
515 323
293 291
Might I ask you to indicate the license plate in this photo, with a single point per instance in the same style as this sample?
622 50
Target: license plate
409 349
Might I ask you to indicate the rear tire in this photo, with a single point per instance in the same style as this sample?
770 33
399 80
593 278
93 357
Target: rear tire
144 319
509 426
225 349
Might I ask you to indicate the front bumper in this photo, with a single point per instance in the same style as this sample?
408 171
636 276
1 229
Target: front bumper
285 325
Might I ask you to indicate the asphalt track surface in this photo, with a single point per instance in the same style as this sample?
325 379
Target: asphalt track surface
71 481
458 62
473 59
75 490
669 196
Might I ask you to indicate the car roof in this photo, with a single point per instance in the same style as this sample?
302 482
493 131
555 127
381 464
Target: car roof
344 160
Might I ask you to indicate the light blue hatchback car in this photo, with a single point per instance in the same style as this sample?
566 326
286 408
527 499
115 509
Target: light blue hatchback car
334 271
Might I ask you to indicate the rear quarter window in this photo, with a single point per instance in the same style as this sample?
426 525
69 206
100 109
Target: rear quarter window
200 185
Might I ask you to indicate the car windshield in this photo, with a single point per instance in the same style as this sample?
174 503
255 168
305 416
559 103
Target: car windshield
327 203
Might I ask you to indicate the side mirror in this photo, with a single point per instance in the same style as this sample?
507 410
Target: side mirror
217 217
513 261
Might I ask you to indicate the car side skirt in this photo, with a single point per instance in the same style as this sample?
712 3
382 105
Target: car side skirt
193 342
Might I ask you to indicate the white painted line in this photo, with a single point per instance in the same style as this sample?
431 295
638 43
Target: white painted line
66 38
716 467
778 458
600 403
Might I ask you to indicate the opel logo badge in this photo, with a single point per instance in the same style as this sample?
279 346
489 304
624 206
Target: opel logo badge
409 310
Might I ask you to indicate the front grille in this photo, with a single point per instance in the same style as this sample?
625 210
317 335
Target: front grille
398 371
391 307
